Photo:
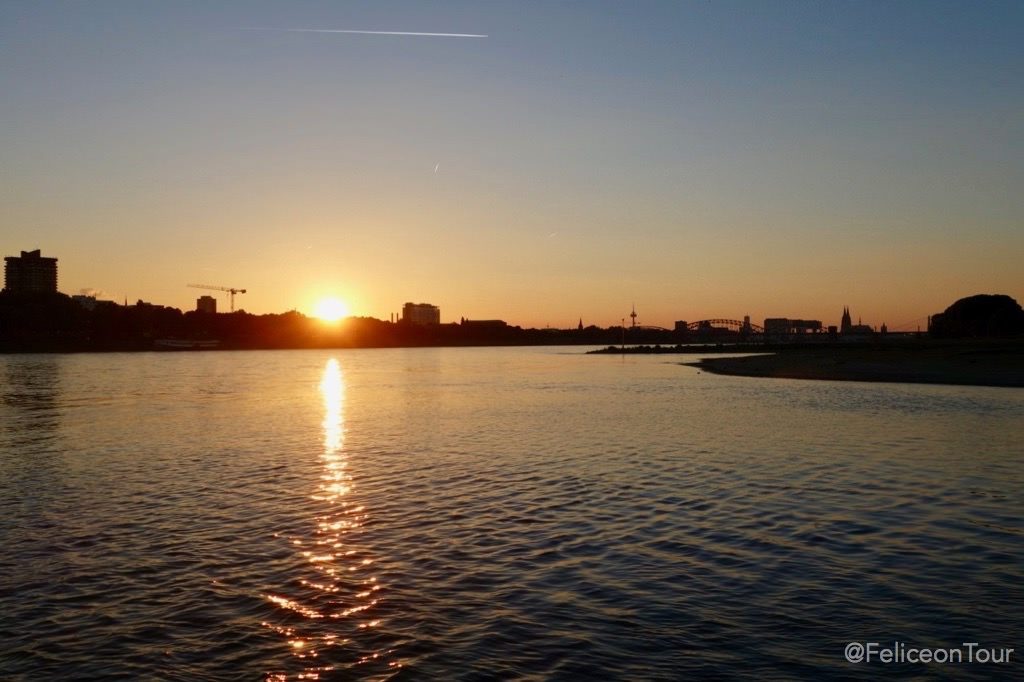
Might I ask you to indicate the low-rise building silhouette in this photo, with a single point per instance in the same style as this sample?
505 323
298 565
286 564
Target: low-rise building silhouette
784 325
483 324
206 304
85 300
30 272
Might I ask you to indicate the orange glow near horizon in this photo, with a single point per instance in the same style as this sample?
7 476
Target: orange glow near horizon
331 309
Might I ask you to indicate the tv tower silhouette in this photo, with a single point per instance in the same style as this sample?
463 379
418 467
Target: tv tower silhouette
633 315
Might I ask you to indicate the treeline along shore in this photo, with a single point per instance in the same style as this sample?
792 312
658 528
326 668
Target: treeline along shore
55 323
977 340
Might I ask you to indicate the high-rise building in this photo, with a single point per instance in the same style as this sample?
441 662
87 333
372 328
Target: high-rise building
206 304
30 272
421 313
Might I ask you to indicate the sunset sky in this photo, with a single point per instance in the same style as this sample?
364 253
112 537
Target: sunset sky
698 159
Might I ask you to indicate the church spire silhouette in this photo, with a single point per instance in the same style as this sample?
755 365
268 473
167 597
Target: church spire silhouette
847 324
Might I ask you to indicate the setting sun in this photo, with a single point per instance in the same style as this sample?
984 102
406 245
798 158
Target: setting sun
330 309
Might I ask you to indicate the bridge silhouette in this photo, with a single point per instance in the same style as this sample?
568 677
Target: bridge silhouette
733 325
717 323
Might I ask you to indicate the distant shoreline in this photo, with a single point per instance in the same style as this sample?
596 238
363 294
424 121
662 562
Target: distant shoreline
997 364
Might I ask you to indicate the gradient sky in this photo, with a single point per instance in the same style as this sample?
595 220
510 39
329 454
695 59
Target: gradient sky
701 159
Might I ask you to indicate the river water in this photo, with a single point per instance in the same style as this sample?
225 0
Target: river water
497 513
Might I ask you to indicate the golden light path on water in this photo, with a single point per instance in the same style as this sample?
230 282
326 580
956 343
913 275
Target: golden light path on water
339 587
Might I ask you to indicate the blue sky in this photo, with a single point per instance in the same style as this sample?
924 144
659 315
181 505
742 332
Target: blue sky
702 159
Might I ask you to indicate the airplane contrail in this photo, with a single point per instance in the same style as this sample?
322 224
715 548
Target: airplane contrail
373 33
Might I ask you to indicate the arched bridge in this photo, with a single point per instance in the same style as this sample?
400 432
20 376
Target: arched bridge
732 325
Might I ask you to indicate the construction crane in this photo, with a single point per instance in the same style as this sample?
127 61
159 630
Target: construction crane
230 290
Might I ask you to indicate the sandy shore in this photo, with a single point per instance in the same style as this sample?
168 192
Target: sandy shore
1001 365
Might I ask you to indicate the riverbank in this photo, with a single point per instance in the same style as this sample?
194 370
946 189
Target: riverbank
972 365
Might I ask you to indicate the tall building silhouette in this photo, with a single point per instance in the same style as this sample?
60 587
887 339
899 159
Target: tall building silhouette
30 272
421 313
847 324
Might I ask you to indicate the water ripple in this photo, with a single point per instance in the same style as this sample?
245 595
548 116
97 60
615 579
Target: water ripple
493 514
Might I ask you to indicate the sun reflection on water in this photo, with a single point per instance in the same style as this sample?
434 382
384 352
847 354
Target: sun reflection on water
332 386
341 591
